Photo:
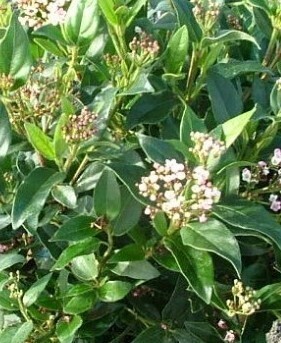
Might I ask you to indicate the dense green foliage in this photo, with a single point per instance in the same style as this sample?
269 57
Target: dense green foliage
140 169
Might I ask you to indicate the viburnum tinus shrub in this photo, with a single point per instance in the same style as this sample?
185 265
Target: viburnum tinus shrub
140 171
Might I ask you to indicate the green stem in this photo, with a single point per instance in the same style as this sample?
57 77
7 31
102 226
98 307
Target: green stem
191 73
79 169
270 48
70 158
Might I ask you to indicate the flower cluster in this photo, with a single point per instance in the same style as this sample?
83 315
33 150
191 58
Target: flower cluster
6 82
205 146
274 335
182 193
244 301
80 127
267 177
36 13
144 48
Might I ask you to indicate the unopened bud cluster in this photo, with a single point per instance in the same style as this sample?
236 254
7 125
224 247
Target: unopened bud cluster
206 12
205 145
37 13
181 192
144 48
274 335
112 61
13 287
267 177
244 301
80 127
234 22
6 82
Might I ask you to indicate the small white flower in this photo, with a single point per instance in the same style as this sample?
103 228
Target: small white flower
246 175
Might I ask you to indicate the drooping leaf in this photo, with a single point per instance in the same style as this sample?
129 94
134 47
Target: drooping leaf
213 237
195 265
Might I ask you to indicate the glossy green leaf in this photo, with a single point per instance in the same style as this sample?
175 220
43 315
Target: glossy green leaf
141 85
85 267
107 195
131 252
150 109
176 52
81 248
190 122
251 217
197 332
225 36
129 214
114 290
65 331
78 289
60 146
129 175
65 195
81 22
158 150
32 294
75 229
186 17
40 141
195 265
213 237
5 131
234 126
79 304
160 223
22 333
89 177
15 57
270 297
7 334
263 21
151 335
225 100
32 194
49 46
141 270
9 259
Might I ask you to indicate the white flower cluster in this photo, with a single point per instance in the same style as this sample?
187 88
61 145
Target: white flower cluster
182 193
244 302
36 13
205 145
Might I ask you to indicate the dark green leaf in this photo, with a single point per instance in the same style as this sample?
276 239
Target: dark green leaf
9 259
150 109
89 177
32 294
185 17
190 122
158 150
151 335
140 86
213 237
15 57
251 217
32 194
81 248
5 131
79 304
195 265
225 36
129 214
107 195
226 102
75 229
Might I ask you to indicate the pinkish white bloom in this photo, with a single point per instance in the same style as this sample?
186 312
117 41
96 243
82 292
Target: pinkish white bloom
230 337
276 158
246 175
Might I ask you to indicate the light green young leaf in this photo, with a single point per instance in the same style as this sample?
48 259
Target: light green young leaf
40 141
22 333
114 290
